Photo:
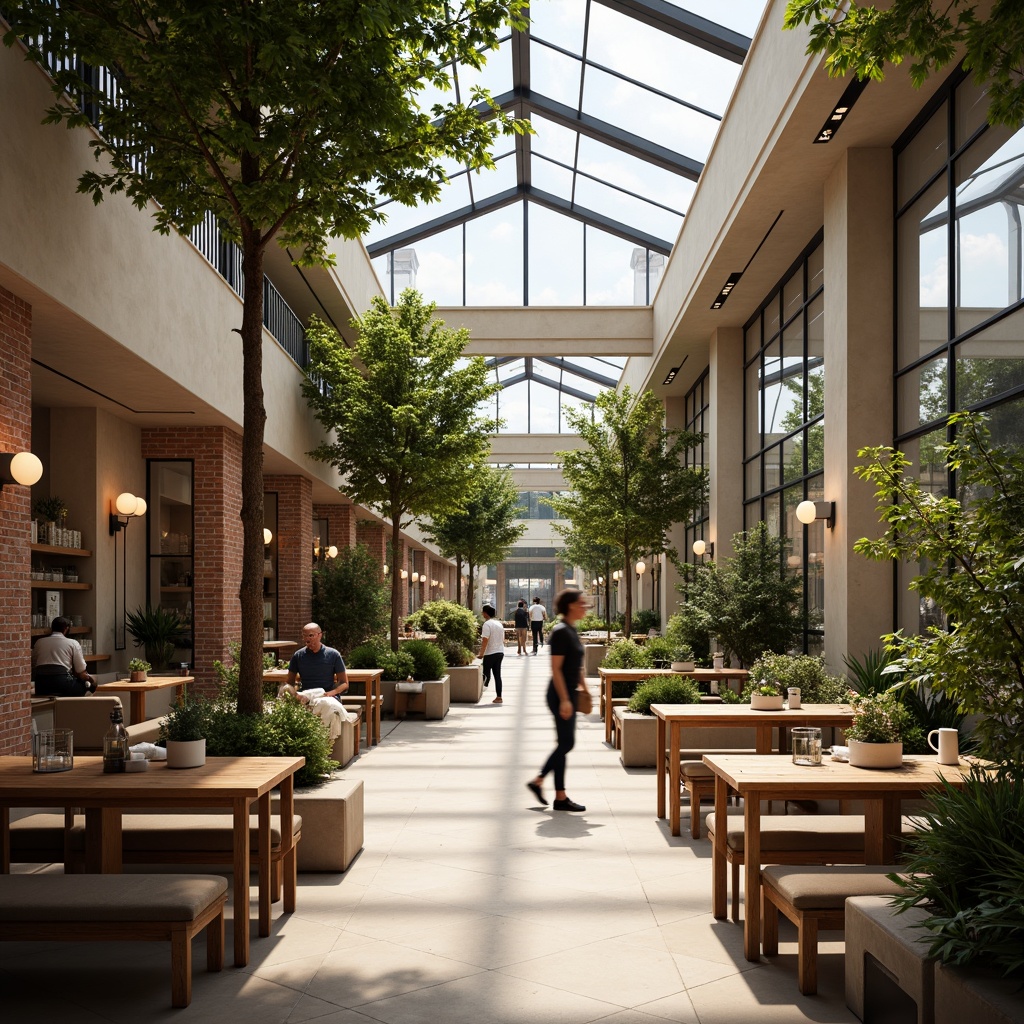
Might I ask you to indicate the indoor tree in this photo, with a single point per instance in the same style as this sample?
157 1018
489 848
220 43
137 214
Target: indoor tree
351 602
596 558
400 411
484 529
287 122
628 482
863 38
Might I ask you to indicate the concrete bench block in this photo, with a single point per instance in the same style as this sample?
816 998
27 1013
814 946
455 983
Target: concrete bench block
593 655
896 944
466 683
638 738
974 994
432 702
332 824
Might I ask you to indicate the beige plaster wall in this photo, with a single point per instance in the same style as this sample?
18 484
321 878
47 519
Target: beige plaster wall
725 437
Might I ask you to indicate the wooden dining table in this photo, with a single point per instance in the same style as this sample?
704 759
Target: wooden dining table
370 677
137 692
609 676
673 718
230 783
757 778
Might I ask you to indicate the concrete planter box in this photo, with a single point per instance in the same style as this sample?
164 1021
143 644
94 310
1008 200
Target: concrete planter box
638 739
466 683
594 654
332 824
433 702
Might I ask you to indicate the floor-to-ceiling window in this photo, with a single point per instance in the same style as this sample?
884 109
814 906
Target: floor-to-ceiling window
960 288
784 431
698 402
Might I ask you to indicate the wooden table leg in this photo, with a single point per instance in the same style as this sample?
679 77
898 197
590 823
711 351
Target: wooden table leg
103 840
240 868
5 840
609 688
718 863
674 774
290 850
378 699
138 705
660 755
762 739
882 829
752 875
263 866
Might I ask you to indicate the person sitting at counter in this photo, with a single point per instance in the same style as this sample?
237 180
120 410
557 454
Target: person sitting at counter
58 665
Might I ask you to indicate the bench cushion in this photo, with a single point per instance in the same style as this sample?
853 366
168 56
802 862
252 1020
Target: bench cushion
811 832
190 833
827 887
73 898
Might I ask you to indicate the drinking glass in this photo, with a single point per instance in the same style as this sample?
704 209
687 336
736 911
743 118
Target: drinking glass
807 745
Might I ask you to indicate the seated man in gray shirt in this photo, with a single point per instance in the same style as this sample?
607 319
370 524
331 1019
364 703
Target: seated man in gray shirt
317 666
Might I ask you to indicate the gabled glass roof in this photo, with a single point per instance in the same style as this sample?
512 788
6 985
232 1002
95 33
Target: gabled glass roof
625 98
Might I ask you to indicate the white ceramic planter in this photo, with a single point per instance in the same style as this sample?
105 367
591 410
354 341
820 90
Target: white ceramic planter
759 702
875 755
186 753
719 663
682 666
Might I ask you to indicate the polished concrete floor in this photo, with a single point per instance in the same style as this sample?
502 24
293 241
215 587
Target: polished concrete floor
469 903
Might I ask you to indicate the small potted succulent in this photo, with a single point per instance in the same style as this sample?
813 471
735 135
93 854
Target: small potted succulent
184 732
766 696
682 659
881 725
138 668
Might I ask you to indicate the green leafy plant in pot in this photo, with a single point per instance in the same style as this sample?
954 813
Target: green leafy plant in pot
184 732
138 668
159 630
766 696
880 727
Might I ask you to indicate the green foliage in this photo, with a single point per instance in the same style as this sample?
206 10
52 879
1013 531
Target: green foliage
485 528
805 671
376 653
139 665
629 482
228 673
293 125
51 510
579 548
187 720
627 654
686 639
400 408
763 689
750 603
970 549
428 661
368 655
590 623
351 601
660 648
882 718
455 655
664 690
450 621
646 619
159 630
965 867
875 672
865 39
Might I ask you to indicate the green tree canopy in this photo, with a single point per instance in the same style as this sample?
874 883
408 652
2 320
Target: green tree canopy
400 410
864 38
485 529
288 122
350 599
596 558
628 484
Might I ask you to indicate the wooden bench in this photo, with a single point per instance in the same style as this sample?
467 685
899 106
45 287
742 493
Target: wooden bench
795 839
143 908
876 936
815 898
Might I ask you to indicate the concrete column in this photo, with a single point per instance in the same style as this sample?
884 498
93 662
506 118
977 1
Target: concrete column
675 419
725 439
858 392
294 542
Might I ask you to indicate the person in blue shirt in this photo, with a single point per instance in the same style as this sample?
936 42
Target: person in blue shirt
317 666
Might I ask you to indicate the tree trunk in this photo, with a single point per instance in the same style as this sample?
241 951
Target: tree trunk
396 581
627 626
458 579
254 418
469 585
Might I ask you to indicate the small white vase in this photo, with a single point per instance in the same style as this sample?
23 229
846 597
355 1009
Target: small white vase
682 666
759 702
186 753
719 662
875 755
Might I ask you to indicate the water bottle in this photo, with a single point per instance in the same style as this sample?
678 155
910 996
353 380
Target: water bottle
115 744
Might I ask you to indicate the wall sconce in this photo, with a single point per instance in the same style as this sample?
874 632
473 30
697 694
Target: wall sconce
423 580
701 548
21 468
415 577
641 568
126 507
385 568
808 511
332 551
267 537
404 574
440 585
600 581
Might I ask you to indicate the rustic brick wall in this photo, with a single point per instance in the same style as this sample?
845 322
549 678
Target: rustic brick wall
294 543
341 524
15 510
217 559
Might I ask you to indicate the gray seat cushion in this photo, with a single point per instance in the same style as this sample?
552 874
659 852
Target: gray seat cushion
73 898
827 887
186 833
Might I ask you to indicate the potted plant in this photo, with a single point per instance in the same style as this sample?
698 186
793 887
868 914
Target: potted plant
184 732
682 658
159 630
766 696
880 726
138 668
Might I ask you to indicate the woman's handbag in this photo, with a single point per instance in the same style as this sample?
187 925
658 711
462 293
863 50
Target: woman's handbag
584 701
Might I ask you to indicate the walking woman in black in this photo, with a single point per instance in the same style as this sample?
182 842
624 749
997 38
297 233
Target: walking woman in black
566 677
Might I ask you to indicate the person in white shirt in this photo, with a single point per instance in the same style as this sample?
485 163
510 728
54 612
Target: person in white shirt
538 614
58 665
492 650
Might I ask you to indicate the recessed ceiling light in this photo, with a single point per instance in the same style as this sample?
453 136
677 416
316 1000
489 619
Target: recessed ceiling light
841 111
727 288
671 375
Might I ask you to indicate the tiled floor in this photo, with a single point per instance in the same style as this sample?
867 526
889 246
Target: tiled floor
468 904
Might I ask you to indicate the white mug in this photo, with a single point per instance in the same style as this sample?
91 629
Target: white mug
948 746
